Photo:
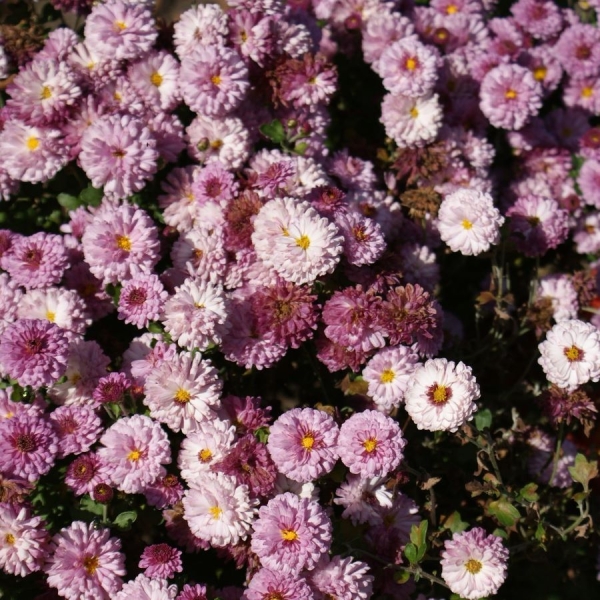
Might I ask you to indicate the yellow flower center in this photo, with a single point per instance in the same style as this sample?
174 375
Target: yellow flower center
216 144
182 396
539 73
216 79
387 376
370 445
123 242
303 241
156 79
308 441
120 25
134 455
473 566
90 564
289 535
117 96
451 9
9 538
45 93
587 92
204 455
413 112
32 143
50 316
215 512
440 394
467 224
510 94
411 63
574 354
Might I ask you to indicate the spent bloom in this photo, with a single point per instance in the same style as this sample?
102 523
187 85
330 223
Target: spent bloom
303 444
474 563
570 354
370 444
441 395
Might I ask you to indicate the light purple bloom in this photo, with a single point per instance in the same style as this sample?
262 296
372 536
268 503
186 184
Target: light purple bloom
343 579
144 588
77 427
273 583
141 300
85 473
160 561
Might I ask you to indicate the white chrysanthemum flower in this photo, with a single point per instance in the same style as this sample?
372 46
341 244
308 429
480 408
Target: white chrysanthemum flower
183 391
290 237
563 295
411 122
362 498
468 221
388 374
570 354
204 447
219 510
474 564
441 395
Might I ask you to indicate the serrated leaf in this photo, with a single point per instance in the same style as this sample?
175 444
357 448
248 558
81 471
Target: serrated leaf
125 519
68 201
455 523
582 471
504 511
483 419
529 492
410 551
274 131
90 505
418 536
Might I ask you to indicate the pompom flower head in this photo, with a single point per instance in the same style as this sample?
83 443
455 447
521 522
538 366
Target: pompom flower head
474 564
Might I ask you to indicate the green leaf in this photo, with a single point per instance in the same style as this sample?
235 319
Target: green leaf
582 471
483 419
125 519
454 523
274 131
262 434
410 551
69 202
540 533
154 327
529 492
90 505
418 536
300 148
91 196
401 576
504 511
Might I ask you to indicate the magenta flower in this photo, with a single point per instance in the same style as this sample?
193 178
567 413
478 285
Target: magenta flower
291 533
134 448
85 473
160 561
86 563
33 352
192 592
141 300
578 50
118 152
111 388
77 427
273 583
364 242
36 261
202 24
165 491
303 444
370 444
540 19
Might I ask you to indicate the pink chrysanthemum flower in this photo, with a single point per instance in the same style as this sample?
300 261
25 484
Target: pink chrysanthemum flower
303 444
394 523
441 395
411 122
287 311
245 413
273 583
43 92
142 358
510 95
120 242
195 316
561 292
10 296
80 279
337 357
33 352
589 181
111 389
583 93
540 19
32 154
537 224
145 588
177 202
578 50
363 238
134 448
118 153
63 307
252 35
409 68
36 261
160 561
343 578
587 233
469 222
215 183
85 473
370 444
213 80
201 253
168 131
570 354
28 446
120 30
388 374
203 24
218 510
290 237
474 563
183 392
86 563
77 427
291 533
306 82
380 32
141 300
156 78
165 491
23 540
361 498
